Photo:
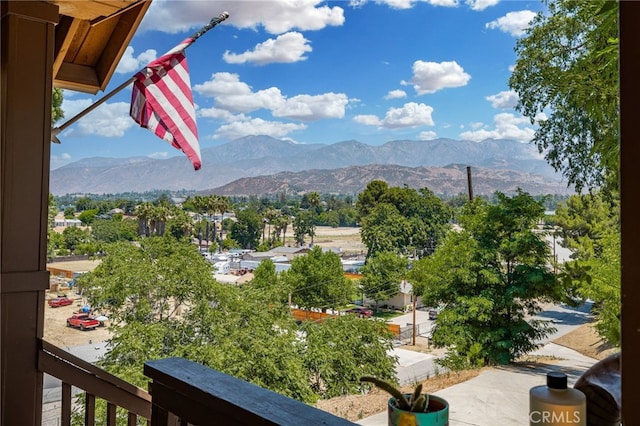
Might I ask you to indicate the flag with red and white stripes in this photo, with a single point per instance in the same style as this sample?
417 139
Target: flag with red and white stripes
162 102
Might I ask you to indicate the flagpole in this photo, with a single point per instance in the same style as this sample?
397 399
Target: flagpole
56 130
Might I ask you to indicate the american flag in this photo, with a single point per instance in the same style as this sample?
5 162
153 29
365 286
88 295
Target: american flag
162 102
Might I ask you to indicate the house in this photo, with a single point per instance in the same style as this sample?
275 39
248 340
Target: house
283 254
66 223
402 301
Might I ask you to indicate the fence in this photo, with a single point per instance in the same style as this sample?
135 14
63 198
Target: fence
405 334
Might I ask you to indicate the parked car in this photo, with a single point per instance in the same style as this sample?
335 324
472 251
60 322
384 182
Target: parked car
82 321
60 301
360 311
433 313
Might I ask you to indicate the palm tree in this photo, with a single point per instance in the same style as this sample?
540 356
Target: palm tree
223 206
199 204
269 215
143 212
314 202
286 221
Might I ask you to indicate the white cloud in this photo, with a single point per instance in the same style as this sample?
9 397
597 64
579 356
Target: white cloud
477 5
507 126
276 17
72 107
368 119
407 4
514 23
256 126
312 107
410 115
60 160
481 4
287 48
159 155
130 64
396 94
429 77
219 114
235 96
110 120
427 135
504 99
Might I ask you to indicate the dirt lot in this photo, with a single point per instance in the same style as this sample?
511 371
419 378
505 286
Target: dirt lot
57 332
348 239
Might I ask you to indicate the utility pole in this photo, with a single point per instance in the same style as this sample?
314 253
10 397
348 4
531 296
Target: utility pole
414 316
469 183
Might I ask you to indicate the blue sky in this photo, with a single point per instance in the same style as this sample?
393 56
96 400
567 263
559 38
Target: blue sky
321 72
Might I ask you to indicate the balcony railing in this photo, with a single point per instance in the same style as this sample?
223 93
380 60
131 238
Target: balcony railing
198 395
96 383
182 392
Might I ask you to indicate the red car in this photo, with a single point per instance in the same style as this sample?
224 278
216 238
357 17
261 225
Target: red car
82 321
360 311
60 301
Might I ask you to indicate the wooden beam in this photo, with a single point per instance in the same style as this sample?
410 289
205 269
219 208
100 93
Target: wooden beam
65 33
77 77
118 41
629 13
201 395
27 44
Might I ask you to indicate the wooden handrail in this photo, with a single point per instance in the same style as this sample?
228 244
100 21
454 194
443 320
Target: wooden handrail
199 395
79 373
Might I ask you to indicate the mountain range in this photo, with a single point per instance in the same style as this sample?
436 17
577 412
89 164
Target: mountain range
258 165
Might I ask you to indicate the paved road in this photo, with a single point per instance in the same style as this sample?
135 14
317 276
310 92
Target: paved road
500 396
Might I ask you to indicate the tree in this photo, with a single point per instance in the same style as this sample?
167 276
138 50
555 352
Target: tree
74 237
163 302
382 275
53 238
370 197
384 229
338 351
404 220
87 216
143 212
590 227
69 213
56 105
246 230
491 277
567 69
317 280
302 225
112 230
584 220
180 224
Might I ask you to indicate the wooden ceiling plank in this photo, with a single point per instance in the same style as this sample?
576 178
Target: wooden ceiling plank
77 41
65 31
129 5
91 38
98 37
120 39
77 77
87 10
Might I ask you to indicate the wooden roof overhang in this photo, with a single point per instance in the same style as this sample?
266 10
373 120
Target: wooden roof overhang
90 39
